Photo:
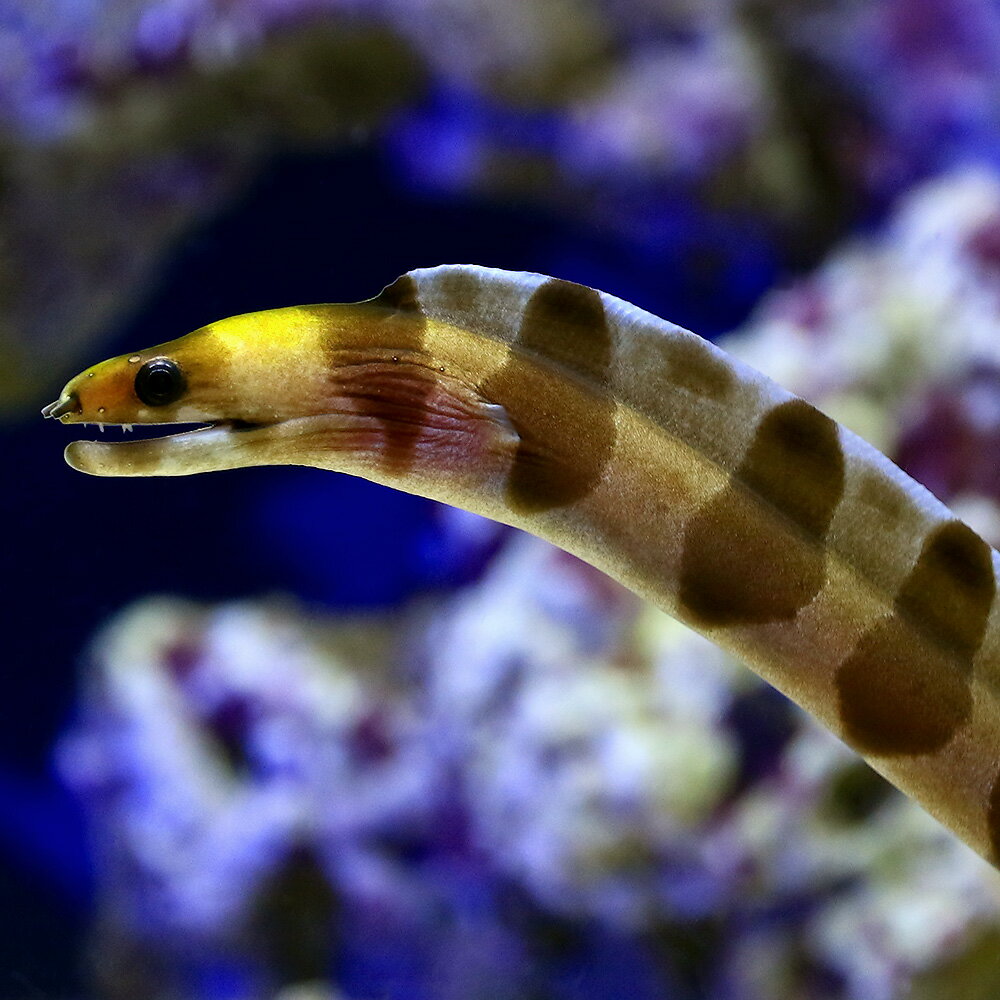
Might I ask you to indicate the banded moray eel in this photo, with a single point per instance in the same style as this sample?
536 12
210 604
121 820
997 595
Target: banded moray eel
643 449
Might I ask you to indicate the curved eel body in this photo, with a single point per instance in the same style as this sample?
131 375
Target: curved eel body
691 478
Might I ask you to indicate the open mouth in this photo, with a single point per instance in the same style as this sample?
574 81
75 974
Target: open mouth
174 449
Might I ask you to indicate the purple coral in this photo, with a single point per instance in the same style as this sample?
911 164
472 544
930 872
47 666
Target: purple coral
899 337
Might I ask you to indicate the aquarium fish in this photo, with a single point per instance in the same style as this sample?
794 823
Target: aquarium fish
693 479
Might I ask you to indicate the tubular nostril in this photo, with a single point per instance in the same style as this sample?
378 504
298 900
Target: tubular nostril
62 406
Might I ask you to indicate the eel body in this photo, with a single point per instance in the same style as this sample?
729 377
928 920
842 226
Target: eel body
694 480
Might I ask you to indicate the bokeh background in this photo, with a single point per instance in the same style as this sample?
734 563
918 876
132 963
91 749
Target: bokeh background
284 734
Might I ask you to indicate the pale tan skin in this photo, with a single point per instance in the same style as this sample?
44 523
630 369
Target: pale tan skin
643 449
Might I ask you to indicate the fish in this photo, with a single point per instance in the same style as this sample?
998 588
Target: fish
638 446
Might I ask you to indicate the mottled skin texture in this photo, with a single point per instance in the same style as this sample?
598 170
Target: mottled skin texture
692 479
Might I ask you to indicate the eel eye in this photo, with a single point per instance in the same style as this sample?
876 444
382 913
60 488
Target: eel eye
160 382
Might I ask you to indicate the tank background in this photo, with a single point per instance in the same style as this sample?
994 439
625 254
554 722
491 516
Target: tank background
335 225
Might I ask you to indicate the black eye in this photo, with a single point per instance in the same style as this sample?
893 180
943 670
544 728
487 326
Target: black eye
160 382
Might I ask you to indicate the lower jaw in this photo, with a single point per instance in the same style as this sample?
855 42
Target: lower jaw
227 445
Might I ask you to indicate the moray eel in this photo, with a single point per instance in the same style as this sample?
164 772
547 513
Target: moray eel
694 480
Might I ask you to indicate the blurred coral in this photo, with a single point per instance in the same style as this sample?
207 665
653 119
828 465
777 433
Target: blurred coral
898 336
277 799
230 758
